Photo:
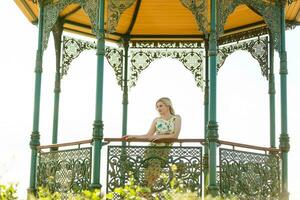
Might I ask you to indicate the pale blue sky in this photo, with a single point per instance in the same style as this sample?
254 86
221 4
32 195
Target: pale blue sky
242 99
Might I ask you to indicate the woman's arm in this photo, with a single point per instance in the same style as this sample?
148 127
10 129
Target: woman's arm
148 135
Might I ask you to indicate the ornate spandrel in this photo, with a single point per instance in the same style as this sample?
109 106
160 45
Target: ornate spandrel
270 11
71 50
183 163
200 12
249 175
115 10
258 48
65 171
73 47
191 59
52 9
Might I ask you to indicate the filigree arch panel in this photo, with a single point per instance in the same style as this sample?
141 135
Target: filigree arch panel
53 8
258 48
200 12
72 48
191 60
270 11
114 11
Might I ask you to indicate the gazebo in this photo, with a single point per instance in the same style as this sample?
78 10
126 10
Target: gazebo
200 34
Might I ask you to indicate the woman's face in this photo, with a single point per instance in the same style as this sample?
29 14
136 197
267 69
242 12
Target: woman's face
162 108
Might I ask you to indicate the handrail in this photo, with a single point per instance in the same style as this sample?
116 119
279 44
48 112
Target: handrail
163 140
247 146
64 144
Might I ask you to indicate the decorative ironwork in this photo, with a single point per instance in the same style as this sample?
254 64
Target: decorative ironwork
65 171
139 161
114 57
258 48
53 8
199 10
270 11
192 60
249 175
73 47
115 10
165 45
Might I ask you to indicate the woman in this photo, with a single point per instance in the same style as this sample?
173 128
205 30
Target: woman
166 126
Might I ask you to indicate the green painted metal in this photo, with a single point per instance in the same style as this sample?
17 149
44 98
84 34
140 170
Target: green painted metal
249 175
148 164
206 103
284 138
57 34
212 134
125 89
272 94
65 171
35 136
98 123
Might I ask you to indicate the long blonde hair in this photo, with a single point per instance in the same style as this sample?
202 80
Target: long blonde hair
167 102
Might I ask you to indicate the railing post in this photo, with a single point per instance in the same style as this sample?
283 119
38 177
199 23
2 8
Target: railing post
284 138
98 123
35 136
212 134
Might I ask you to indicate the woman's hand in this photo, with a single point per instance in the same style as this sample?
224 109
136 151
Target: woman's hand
128 137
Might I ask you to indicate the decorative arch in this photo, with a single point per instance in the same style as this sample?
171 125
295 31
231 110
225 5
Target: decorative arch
52 10
72 48
258 48
270 12
191 60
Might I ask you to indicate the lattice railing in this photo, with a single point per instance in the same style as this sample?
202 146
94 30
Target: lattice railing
65 171
249 175
155 166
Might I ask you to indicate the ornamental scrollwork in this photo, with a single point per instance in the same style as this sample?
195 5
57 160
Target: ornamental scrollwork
270 11
258 48
199 10
52 10
65 171
73 47
249 175
162 162
165 45
115 10
191 59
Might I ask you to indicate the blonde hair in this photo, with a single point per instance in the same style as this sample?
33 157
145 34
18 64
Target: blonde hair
167 102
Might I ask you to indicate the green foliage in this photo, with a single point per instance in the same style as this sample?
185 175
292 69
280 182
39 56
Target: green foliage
8 192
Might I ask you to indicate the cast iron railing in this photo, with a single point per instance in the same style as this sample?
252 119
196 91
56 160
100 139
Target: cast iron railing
66 171
155 165
249 175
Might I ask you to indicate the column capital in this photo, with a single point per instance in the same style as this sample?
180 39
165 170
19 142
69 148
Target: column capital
212 131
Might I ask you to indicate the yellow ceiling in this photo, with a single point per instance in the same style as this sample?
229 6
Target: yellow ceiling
157 17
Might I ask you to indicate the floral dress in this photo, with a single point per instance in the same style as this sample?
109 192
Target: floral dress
156 156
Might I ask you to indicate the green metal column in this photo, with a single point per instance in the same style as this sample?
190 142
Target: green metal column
98 123
35 136
206 101
57 34
125 88
284 138
212 134
272 93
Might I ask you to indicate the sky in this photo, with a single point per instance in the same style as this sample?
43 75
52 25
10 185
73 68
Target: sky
242 99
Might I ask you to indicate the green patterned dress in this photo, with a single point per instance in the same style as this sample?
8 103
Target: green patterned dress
156 156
